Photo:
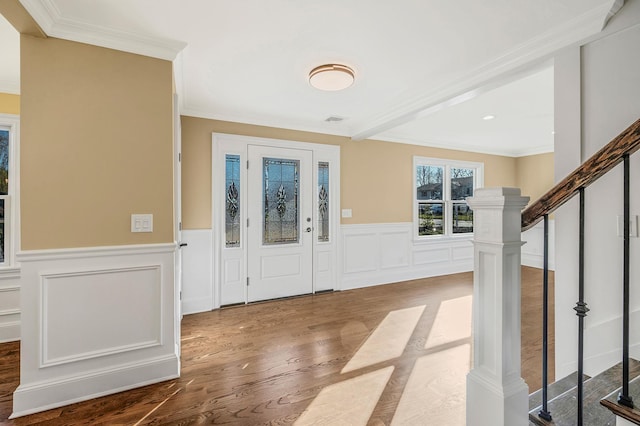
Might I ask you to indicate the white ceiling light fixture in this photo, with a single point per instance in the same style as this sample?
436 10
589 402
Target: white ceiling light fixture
488 117
331 77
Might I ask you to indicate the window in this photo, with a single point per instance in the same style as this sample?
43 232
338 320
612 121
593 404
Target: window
232 201
323 201
441 188
8 185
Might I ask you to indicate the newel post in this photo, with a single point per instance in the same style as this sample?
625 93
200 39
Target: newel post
496 394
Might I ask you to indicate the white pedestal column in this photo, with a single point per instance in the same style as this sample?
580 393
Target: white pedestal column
496 394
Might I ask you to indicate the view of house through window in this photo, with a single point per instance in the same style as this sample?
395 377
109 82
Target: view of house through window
441 190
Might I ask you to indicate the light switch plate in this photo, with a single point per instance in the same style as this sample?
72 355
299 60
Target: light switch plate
346 213
141 223
633 226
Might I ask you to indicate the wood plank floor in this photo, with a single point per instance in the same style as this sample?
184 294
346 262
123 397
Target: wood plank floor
266 363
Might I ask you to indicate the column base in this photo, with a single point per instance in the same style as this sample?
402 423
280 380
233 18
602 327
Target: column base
490 403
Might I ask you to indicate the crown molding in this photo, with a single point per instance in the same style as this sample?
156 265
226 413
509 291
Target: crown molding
615 8
47 15
535 50
272 122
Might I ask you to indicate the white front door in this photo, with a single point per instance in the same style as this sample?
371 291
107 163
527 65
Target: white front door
280 222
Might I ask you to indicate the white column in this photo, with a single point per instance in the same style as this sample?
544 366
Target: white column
496 394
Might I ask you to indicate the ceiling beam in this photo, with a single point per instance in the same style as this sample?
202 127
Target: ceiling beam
486 76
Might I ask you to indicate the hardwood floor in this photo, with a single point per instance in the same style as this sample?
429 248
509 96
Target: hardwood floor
265 363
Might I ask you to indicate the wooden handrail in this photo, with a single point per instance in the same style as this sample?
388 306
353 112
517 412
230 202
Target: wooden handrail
591 170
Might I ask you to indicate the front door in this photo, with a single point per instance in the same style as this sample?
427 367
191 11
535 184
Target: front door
280 222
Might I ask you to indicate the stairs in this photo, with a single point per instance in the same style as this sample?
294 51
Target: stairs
563 396
631 414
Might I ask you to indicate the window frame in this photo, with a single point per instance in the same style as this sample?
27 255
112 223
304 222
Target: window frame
448 203
11 123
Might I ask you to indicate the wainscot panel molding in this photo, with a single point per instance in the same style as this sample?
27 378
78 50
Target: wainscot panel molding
533 250
197 270
9 304
606 334
95 321
383 253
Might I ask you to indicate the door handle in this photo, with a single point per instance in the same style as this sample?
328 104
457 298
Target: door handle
182 245
308 229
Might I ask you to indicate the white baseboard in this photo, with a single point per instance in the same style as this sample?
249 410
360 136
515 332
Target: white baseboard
371 280
9 331
194 306
36 397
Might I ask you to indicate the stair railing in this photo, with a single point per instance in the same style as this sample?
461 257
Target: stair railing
615 152
496 392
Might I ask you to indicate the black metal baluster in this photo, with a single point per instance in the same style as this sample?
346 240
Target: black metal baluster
544 412
624 398
581 310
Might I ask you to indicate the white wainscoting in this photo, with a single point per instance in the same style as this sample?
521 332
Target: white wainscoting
95 321
197 270
533 250
371 254
383 253
9 304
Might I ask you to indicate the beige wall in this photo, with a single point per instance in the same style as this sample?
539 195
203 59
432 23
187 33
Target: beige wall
376 177
96 145
535 175
9 104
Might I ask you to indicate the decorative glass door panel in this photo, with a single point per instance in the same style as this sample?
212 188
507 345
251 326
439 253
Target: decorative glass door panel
280 222
232 201
281 216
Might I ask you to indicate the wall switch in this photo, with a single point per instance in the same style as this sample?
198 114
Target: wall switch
141 223
346 212
633 226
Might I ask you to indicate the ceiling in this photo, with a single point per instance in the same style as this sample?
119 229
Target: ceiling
427 71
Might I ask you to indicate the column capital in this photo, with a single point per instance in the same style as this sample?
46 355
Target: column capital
497 214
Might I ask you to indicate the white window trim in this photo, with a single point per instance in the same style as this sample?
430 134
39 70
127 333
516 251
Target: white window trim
478 178
12 234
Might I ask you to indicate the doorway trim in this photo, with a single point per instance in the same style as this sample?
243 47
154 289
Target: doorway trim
230 264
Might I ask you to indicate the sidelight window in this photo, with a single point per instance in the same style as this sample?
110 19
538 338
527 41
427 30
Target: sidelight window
232 200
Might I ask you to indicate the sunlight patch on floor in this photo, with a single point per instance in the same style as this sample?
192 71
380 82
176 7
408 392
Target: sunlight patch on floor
350 402
388 340
452 322
435 391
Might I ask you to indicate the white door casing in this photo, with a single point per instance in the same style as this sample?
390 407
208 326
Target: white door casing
231 261
279 231
177 193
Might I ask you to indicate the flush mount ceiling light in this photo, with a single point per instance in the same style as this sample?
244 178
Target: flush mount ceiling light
331 77
488 117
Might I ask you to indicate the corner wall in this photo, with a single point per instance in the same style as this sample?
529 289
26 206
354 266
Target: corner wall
96 145
9 104
98 303
597 94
